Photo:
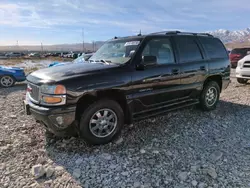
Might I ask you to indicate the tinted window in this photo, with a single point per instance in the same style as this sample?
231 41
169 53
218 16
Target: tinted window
161 48
214 47
242 51
188 49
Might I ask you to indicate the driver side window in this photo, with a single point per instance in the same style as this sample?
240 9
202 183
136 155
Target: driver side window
161 49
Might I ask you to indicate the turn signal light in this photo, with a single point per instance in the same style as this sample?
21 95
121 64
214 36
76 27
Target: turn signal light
52 100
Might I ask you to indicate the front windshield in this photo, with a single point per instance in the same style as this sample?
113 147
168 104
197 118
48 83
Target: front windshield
118 51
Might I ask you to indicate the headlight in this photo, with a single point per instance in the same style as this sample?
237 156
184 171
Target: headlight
240 63
53 94
53 89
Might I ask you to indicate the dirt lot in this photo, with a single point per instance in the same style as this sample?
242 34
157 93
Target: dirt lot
185 148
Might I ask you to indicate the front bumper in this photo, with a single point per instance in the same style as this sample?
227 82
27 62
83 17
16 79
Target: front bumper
58 120
243 73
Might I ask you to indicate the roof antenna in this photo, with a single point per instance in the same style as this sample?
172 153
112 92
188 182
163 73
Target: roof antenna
139 33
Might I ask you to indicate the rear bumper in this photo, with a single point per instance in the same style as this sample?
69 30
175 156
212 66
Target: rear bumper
225 83
47 116
243 73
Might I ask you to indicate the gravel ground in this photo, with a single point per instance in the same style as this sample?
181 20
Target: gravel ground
185 148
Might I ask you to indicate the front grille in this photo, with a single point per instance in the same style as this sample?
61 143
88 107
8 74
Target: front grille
246 64
34 93
246 76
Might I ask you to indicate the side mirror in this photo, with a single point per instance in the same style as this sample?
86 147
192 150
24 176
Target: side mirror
147 61
248 52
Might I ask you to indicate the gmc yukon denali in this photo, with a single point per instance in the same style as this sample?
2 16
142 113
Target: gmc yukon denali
128 79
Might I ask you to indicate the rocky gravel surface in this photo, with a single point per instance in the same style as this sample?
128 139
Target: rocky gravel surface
185 148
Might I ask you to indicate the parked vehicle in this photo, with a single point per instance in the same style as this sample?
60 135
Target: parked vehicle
34 55
82 59
14 54
2 56
64 54
129 79
10 75
56 54
243 69
237 54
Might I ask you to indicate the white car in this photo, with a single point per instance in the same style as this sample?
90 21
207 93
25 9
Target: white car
243 70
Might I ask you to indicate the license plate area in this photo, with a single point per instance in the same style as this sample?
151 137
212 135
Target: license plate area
26 108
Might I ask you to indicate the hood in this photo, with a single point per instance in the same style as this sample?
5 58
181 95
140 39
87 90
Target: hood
10 68
59 73
246 58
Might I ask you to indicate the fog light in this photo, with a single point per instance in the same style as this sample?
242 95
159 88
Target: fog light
59 120
62 121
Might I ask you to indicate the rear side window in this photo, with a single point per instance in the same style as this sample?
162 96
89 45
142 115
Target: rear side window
241 51
214 47
188 49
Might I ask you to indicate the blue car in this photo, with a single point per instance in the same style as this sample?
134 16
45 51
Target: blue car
10 75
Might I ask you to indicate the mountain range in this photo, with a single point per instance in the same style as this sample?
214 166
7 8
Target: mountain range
228 36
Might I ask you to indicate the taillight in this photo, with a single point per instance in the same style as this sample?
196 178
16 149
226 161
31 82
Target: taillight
232 56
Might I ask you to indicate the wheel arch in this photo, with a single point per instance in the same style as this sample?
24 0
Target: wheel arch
116 95
216 78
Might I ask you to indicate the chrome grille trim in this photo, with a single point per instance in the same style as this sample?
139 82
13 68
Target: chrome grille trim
35 93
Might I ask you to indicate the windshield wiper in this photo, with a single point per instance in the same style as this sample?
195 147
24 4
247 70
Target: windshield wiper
108 62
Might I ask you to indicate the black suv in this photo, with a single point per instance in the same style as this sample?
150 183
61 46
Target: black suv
129 79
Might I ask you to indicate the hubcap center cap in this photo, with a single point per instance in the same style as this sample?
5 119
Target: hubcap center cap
103 122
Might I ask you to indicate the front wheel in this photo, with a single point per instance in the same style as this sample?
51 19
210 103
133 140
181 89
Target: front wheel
7 81
210 96
101 122
242 80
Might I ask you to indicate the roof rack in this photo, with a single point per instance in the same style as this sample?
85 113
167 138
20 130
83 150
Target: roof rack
179 32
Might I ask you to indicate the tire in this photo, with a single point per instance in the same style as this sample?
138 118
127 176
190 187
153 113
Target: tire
93 126
3 80
49 134
242 80
210 96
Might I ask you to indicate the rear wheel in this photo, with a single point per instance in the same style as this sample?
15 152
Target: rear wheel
7 81
210 96
242 80
101 122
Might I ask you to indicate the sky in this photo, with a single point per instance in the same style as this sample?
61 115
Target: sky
31 22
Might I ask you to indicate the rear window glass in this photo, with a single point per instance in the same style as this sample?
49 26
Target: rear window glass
188 49
240 51
214 47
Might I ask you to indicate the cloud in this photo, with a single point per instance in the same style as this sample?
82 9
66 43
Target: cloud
104 18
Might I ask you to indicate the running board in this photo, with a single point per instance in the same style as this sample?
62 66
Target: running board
162 110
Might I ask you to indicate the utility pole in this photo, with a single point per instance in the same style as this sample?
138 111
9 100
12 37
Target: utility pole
83 47
17 46
41 47
93 45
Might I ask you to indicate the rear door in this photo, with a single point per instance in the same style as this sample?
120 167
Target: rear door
217 56
193 66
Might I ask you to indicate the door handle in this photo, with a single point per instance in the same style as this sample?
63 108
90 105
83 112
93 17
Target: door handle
175 71
202 68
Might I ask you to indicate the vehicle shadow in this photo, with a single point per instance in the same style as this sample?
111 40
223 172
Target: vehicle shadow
173 132
17 87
